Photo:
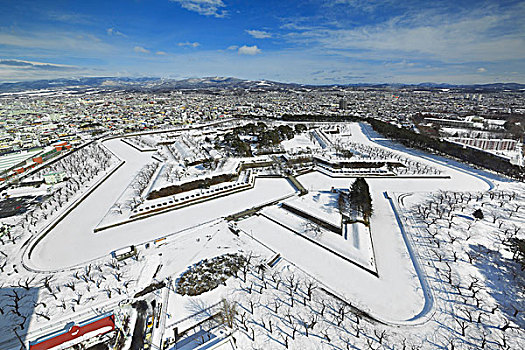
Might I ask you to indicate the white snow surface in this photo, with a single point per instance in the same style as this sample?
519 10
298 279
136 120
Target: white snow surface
355 243
299 143
396 296
73 241
322 205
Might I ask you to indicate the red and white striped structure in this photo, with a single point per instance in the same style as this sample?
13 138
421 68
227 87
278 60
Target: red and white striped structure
87 329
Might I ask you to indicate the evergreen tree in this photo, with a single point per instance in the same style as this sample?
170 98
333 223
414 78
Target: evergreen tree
360 199
478 214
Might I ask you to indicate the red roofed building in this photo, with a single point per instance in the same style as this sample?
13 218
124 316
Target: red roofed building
60 145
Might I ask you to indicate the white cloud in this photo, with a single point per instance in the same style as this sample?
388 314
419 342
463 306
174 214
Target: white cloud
259 34
232 47
249 50
71 18
194 44
60 41
204 7
160 53
365 6
21 64
20 70
140 49
481 70
484 35
113 31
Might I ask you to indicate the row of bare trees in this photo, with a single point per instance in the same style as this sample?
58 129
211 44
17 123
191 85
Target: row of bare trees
457 248
42 296
365 152
278 308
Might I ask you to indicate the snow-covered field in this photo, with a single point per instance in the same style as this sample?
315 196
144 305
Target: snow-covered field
395 295
299 143
354 242
322 205
444 280
82 244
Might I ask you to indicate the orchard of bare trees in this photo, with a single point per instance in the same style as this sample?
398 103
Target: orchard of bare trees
284 308
476 262
134 194
44 297
473 269
143 142
83 164
82 168
364 152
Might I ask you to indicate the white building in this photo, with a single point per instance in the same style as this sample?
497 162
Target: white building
53 178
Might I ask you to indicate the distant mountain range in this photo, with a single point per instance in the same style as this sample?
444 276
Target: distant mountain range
214 83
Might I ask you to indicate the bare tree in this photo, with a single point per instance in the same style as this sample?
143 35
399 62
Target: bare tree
118 276
70 285
228 312
463 325
381 335
285 340
44 315
310 286
507 325
26 284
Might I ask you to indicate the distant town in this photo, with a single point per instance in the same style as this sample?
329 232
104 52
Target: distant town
37 122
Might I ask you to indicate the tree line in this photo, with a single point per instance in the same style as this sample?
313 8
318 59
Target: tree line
266 137
427 143
467 154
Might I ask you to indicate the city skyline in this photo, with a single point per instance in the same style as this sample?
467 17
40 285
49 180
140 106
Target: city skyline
312 42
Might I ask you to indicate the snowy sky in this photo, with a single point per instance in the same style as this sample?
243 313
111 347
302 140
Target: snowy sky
304 41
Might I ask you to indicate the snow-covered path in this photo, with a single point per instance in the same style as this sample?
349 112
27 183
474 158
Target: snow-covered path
395 296
65 241
73 242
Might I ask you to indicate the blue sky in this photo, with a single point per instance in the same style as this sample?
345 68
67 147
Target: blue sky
308 41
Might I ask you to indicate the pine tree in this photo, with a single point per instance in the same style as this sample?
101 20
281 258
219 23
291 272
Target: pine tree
360 199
